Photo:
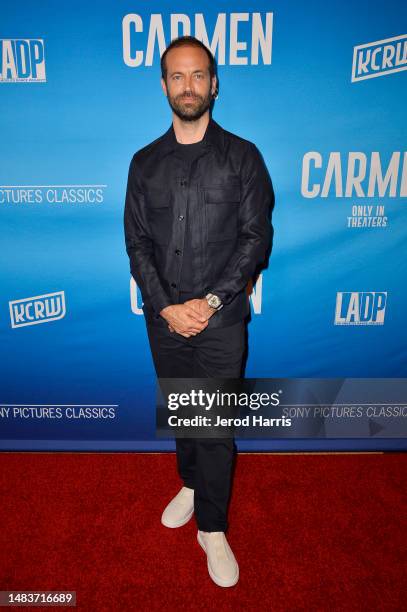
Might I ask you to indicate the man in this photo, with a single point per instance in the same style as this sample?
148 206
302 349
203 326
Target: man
197 226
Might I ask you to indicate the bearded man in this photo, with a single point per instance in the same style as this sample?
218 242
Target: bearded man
197 227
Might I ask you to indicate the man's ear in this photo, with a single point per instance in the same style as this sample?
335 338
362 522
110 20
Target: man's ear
164 86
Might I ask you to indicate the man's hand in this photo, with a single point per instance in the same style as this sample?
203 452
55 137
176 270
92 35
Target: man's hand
201 307
184 319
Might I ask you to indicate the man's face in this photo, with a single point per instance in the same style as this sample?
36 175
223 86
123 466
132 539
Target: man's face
188 85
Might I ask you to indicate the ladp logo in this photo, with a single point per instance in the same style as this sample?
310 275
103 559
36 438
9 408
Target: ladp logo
22 60
360 307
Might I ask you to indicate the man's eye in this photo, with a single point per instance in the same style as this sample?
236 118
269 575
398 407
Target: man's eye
198 76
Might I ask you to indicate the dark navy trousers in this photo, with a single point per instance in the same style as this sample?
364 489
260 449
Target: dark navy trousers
204 465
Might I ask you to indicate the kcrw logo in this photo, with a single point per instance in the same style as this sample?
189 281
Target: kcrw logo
379 58
360 307
22 60
38 309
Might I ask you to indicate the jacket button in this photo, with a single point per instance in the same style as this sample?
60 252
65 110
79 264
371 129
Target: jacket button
178 252
183 183
181 218
174 285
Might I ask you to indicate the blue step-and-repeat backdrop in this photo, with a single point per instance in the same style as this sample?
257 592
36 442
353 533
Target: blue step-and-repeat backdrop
320 87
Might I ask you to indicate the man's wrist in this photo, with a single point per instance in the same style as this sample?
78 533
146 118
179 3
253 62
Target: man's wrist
209 309
164 310
214 301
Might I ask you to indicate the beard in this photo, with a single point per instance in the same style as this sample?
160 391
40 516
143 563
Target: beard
189 107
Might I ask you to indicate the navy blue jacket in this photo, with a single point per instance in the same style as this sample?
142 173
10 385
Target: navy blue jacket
230 198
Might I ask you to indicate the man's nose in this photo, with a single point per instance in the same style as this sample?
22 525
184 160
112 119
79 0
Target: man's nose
188 83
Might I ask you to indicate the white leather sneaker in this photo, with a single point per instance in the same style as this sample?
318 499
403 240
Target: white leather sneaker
180 509
222 565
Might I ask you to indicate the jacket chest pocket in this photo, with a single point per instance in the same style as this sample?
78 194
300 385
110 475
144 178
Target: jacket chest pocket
159 215
221 207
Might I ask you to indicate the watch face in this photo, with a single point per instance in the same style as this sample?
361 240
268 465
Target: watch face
214 301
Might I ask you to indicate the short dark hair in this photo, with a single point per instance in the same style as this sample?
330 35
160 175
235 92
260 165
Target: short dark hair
183 41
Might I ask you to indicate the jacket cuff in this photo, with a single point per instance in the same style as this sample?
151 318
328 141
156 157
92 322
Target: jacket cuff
158 302
224 296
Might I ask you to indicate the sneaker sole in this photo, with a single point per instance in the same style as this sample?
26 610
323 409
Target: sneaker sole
180 523
218 581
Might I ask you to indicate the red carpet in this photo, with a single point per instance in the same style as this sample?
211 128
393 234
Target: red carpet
310 532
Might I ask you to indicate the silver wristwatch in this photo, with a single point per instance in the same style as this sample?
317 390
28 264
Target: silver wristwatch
214 301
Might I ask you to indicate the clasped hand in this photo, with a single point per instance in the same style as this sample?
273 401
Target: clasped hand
189 318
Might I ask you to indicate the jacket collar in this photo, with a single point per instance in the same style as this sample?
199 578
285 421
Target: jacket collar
213 137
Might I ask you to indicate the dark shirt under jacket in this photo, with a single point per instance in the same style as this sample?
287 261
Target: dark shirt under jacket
188 152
